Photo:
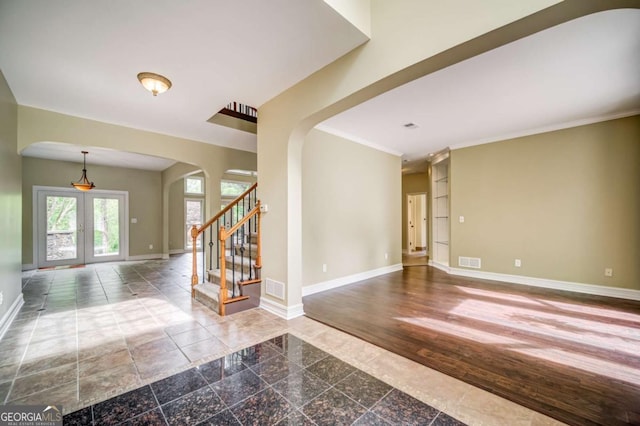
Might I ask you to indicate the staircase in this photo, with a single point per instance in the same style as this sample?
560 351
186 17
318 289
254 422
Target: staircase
231 260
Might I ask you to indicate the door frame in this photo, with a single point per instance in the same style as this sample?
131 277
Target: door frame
36 189
415 196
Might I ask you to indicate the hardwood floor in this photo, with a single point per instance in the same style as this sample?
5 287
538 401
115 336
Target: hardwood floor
573 357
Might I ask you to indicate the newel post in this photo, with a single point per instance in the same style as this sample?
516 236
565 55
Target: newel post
194 260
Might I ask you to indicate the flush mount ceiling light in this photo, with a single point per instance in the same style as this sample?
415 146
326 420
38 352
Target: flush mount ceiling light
155 83
83 184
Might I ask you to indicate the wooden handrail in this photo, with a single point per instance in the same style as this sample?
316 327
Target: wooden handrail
226 209
224 235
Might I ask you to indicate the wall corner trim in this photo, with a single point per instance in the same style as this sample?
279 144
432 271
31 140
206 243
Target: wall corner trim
349 279
597 290
10 315
286 312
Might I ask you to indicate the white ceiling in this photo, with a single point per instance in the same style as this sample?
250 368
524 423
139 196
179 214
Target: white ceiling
583 71
82 58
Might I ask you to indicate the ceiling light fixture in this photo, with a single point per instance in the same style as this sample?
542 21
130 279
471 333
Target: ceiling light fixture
155 83
83 184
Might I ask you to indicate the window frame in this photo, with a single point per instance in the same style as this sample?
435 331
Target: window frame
186 180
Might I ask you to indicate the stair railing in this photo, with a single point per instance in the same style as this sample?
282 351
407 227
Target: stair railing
227 217
239 232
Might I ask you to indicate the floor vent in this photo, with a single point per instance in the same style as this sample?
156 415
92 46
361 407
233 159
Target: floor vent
274 288
469 262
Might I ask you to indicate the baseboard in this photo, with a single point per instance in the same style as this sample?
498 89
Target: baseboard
150 256
28 266
441 266
286 312
178 251
349 279
597 290
8 317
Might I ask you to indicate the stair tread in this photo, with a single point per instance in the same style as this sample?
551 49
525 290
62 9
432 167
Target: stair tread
229 273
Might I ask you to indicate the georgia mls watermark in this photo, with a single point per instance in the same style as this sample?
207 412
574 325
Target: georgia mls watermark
30 415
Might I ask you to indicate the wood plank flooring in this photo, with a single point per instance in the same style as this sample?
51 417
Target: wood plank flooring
573 357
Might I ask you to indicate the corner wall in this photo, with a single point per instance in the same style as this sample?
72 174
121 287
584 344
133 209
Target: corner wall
566 203
10 208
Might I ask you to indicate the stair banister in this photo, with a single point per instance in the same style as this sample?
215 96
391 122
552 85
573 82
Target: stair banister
224 235
196 231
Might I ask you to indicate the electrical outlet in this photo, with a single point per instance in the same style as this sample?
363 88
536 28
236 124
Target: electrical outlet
1 298
608 272
386 256
150 246
517 263
324 267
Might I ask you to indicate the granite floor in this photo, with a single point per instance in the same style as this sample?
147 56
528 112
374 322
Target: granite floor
282 381
86 335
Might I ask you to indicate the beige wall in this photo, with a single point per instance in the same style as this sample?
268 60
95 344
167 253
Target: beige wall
145 199
567 203
448 32
10 201
351 208
413 183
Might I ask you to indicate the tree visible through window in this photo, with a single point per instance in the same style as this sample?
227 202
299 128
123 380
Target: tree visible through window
194 185
232 189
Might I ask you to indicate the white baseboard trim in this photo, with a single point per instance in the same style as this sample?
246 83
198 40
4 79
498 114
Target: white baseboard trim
28 266
150 256
8 317
597 290
178 251
286 312
440 266
349 279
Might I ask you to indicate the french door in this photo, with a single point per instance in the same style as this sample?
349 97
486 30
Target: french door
75 227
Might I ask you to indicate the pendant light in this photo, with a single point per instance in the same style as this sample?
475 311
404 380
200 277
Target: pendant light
83 184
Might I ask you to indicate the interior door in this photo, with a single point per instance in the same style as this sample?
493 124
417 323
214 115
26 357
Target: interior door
78 227
411 223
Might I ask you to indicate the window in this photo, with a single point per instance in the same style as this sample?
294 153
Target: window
194 185
232 189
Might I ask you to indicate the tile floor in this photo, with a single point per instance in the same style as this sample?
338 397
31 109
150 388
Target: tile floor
282 381
88 334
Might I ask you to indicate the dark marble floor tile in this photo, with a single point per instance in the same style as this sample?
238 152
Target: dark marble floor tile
333 408
220 368
257 353
331 369
300 387
178 385
193 408
363 388
446 420
225 418
399 408
150 418
80 418
275 369
305 354
235 388
370 419
295 418
124 407
264 408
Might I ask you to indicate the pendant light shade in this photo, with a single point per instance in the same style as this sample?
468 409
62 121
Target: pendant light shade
83 184
155 83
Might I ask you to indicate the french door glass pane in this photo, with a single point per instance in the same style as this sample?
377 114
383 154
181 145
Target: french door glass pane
106 227
62 231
